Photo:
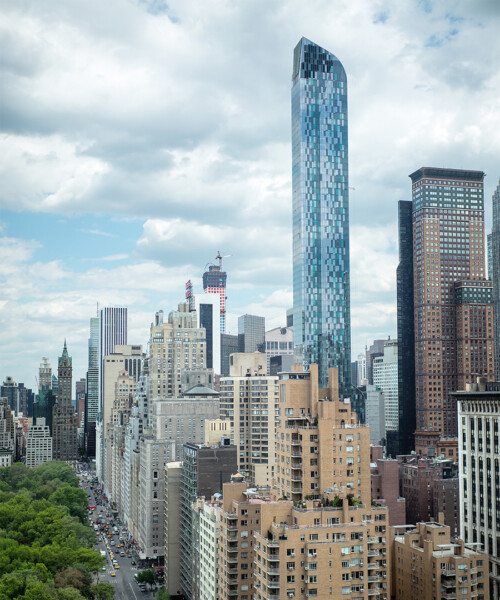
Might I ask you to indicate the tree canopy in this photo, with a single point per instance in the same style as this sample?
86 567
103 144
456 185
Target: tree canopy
45 544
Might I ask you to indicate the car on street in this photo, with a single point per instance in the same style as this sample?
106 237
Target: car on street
113 574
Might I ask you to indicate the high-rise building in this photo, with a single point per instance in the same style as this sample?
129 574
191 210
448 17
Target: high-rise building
327 539
38 444
205 470
305 418
228 345
474 331
26 400
320 182
124 358
375 414
10 390
207 307
112 332
385 377
250 401
251 333
426 563
279 342
44 373
239 516
376 350
479 450
43 406
172 533
7 434
54 384
92 396
361 370
214 282
174 346
495 274
405 442
448 249
80 393
64 425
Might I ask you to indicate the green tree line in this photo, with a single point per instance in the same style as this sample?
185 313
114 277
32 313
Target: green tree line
45 542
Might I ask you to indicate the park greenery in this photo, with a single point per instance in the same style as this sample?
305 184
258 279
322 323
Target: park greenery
45 542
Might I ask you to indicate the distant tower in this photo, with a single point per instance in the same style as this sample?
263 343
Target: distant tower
64 425
45 373
214 282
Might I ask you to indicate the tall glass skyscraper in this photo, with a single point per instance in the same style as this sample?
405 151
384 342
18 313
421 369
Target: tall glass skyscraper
321 295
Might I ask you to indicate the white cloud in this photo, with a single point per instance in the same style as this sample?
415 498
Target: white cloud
181 117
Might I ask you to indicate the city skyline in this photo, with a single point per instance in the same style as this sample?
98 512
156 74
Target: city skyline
76 231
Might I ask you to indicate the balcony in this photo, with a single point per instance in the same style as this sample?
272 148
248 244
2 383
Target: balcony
373 592
273 545
373 578
450 596
273 584
296 477
296 490
296 453
232 593
296 442
272 571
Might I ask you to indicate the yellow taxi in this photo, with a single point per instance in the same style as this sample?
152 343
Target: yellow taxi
117 566
111 555
113 574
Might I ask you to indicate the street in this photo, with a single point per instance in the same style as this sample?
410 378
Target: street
109 542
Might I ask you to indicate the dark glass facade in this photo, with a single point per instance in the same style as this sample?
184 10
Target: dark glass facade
207 321
321 294
406 337
228 345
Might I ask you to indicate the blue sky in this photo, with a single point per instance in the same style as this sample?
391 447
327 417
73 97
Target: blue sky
138 138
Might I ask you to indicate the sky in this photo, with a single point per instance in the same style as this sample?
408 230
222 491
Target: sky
140 137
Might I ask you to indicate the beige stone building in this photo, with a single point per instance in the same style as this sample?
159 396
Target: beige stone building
426 564
128 358
240 516
249 400
320 447
175 346
321 538
125 387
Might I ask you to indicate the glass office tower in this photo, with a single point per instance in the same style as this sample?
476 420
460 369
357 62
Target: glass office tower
321 296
